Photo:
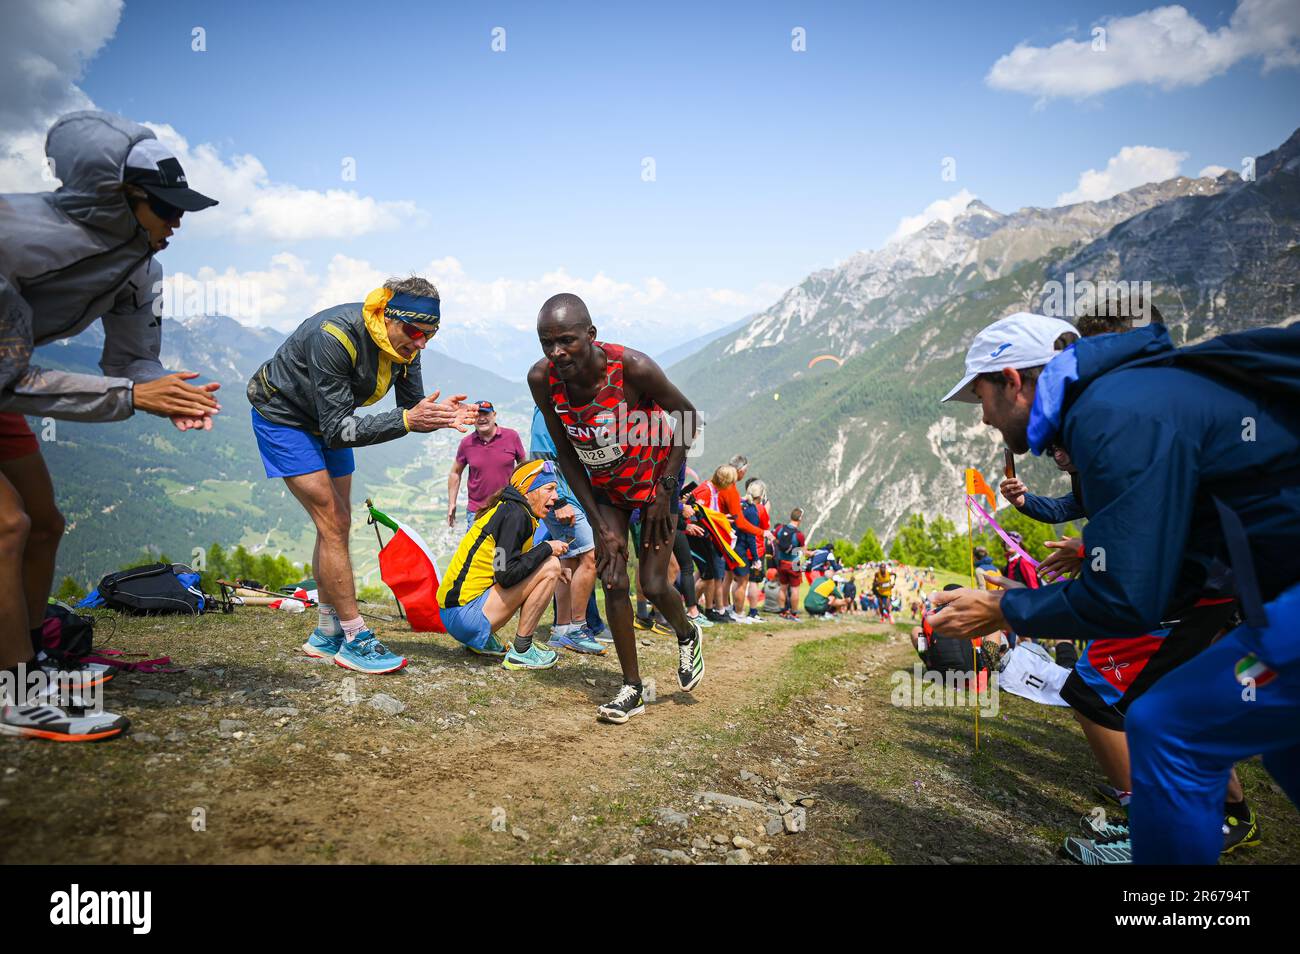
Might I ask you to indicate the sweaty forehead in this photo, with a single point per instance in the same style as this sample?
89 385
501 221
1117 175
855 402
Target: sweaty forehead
556 322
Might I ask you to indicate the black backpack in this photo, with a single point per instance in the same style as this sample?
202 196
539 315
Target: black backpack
953 655
65 635
152 589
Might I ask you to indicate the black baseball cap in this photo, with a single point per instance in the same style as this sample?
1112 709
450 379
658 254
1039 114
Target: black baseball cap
152 166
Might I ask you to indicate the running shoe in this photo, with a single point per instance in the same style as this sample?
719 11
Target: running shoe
1066 655
601 633
1238 833
72 723
623 706
365 653
78 677
1088 852
1111 794
642 622
578 642
690 660
754 617
701 621
1104 833
320 646
535 658
492 647
713 616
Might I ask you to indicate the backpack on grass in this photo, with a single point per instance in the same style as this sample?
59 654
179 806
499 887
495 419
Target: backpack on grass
150 590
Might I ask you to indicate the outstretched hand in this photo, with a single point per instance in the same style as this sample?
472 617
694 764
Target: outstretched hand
189 406
432 415
967 614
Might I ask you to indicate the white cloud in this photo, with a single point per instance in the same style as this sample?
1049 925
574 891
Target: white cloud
1211 172
1165 46
942 209
252 207
43 49
1131 167
489 322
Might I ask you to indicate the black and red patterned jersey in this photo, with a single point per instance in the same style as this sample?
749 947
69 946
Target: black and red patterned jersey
624 449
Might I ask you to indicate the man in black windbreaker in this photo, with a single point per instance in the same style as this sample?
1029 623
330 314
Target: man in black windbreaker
305 401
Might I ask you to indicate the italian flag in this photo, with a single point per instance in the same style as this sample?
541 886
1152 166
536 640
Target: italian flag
407 566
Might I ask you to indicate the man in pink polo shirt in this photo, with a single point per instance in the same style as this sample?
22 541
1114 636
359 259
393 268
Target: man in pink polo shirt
491 453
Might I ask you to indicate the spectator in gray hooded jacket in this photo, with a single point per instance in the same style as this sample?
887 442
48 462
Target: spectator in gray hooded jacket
68 258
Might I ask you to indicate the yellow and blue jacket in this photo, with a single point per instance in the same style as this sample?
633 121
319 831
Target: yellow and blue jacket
336 361
498 549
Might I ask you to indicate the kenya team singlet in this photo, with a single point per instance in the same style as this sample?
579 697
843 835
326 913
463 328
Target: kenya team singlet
624 450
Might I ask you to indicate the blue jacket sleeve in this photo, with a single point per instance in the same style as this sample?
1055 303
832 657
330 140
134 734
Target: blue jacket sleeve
1052 509
1140 475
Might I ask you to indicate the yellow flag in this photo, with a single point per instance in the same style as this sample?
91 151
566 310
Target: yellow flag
975 487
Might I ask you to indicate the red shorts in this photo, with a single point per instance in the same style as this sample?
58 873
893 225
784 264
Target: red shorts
788 577
16 438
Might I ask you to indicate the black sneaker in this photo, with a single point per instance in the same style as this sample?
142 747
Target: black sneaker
1238 833
713 616
623 706
690 660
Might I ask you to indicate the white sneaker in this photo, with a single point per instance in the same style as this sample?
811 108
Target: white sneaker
61 724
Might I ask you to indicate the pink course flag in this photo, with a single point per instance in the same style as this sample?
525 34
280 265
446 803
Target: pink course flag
997 528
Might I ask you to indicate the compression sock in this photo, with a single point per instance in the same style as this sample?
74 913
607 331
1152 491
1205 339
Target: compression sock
523 643
1238 810
329 620
351 627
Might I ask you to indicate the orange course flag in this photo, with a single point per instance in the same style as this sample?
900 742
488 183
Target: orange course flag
975 486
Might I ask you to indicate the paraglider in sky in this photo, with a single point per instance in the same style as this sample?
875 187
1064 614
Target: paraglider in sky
826 357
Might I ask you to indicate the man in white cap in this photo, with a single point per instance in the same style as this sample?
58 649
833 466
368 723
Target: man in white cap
1186 460
69 258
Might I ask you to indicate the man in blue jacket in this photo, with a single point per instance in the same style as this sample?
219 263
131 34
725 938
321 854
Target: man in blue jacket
1188 461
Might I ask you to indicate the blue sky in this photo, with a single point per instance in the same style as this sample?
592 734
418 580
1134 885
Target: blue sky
769 163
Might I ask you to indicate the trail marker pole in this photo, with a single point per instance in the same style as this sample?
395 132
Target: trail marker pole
375 523
975 659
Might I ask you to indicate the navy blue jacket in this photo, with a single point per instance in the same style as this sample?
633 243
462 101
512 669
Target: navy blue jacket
1155 432
1052 509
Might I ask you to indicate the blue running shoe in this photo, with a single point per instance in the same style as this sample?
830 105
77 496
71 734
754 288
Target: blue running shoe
491 648
535 658
579 642
367 654
320 646
601 633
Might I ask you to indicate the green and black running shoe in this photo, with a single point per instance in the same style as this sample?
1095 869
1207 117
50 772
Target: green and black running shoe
1238 833
1088 852
690 659
623 706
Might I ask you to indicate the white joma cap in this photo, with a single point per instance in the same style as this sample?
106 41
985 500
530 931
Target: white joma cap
1022 340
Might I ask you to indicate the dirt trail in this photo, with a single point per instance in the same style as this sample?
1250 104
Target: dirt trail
353 786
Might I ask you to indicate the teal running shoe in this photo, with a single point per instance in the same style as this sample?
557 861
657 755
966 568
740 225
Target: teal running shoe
368 655
1088 852
492 647
320 646
579 642
701 621
535 658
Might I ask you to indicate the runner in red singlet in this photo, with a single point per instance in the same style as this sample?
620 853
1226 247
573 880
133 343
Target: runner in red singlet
621 432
